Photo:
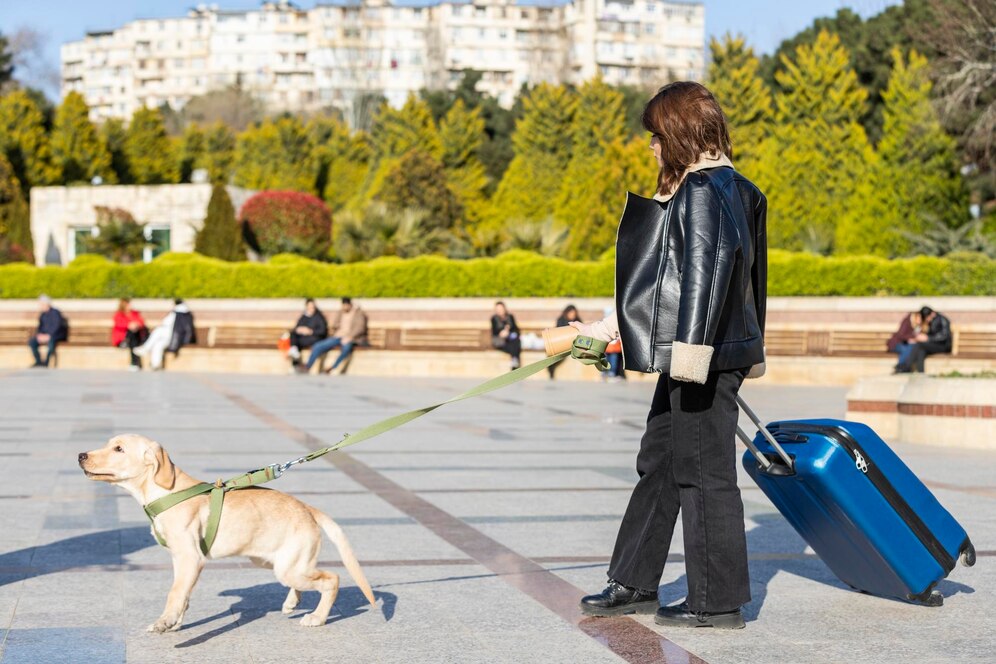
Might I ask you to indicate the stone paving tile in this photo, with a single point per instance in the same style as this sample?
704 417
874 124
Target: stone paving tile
80 576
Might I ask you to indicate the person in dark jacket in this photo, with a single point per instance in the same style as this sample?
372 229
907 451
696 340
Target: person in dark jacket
310 328
567 316
505 334
174 332
690 304
902 340
934 337
52 329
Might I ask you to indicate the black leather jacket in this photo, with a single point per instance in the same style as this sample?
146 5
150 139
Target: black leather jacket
693 270
939 331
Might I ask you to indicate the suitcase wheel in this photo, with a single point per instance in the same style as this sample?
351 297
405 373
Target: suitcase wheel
934 599
967 556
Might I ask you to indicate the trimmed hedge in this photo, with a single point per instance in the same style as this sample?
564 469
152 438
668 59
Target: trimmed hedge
512 274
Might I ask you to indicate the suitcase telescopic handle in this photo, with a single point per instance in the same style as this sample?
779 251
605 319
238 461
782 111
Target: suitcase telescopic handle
767 465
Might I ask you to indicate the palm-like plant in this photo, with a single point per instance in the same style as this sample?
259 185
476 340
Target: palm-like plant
384 231
119 237
545 237
940 239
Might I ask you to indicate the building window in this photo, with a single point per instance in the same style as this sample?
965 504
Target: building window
648 28
651 7
77 241
159 242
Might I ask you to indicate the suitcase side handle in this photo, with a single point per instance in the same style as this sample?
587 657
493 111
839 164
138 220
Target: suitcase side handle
767 465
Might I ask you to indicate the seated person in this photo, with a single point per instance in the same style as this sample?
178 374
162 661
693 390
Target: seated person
505 334
129 331
934 337
310 328
348 328
902 341
52 328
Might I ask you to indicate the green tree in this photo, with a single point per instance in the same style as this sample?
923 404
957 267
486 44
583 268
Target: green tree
114 135
626 165
734 80
15 220
119 237
78 152
351 155
23 140
542 140
6 61
419 180
598 122
221 235
817 152
461 132
275 155
219 153
191 152
915 178
149 149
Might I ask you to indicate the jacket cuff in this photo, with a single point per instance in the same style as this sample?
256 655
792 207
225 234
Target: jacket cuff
758 370
690 362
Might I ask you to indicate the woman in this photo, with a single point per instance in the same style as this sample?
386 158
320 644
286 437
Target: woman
311 327
174 331
505 334
902 341
690 304
567 316
129 331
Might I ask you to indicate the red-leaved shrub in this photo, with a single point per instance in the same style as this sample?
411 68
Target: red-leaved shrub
288 222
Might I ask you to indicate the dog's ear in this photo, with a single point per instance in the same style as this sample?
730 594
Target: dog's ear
165 471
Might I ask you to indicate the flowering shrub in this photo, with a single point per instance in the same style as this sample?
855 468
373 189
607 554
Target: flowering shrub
288 222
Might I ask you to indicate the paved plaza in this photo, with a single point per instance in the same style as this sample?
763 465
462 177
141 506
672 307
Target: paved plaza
479 527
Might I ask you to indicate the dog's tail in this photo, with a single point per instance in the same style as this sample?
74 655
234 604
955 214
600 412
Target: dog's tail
349 560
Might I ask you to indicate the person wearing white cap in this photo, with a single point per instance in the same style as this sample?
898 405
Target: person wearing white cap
52 329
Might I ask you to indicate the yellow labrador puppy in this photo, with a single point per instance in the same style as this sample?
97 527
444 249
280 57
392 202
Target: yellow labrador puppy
272 529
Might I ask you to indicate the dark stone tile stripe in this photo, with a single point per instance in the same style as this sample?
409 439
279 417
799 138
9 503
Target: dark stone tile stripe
630 640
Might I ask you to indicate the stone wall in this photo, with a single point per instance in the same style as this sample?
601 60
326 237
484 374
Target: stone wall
55 211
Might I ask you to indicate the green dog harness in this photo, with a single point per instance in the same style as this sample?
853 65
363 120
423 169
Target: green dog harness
584 349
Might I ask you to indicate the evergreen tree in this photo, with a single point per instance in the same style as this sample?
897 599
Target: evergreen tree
351 155
275 155
221 236
394 133
818 152
461 132
599 120
23 140
15 220
735 82
6 61
542 140
916 176
626 165
191 151
78 153
219 153
113 135
149 149
418 180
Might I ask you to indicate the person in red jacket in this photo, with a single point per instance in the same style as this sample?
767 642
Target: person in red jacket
129 331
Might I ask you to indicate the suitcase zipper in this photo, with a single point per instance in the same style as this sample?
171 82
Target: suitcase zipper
880 482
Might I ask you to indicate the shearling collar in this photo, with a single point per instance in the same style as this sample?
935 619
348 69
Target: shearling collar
706 160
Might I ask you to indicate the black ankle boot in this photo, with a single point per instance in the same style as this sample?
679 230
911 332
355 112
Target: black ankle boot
680 616
618 600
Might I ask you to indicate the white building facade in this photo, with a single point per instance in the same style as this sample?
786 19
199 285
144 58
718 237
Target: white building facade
336 53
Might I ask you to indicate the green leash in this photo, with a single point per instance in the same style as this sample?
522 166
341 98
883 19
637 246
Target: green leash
585 349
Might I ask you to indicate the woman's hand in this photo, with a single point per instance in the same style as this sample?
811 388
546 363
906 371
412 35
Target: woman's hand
584 329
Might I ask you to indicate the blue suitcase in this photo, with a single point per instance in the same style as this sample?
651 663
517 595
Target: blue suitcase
870 519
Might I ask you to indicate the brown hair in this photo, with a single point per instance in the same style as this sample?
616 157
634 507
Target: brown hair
687 120
123 304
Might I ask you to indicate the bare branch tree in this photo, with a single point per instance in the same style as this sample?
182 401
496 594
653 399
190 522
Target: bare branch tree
964 34
31 67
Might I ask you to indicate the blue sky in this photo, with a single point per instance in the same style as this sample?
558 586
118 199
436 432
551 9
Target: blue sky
764 22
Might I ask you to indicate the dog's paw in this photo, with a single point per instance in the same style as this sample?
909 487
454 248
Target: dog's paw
287 610
163 625
311 620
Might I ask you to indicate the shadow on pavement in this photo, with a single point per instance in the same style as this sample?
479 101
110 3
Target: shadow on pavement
256 601
106 547
774 546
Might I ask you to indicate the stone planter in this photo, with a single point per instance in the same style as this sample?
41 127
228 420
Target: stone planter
952 412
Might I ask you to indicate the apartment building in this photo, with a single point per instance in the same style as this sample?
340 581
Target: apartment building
337 53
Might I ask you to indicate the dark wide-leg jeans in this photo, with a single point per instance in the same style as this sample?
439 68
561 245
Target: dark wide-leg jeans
687 461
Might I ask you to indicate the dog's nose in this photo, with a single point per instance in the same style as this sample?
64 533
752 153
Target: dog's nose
82 457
